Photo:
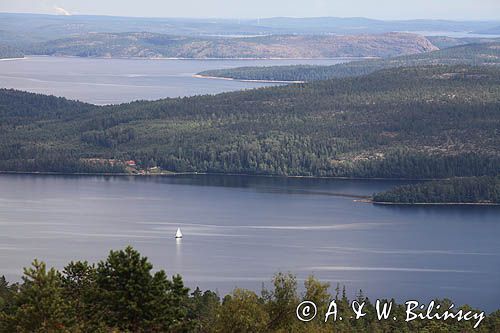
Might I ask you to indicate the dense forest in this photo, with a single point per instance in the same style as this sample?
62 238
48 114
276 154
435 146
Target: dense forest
124 294
484 190
471 54
426 122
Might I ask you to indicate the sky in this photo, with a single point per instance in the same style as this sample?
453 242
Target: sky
378 9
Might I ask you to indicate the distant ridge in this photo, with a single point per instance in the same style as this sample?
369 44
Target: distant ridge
47 27
278 37
153 45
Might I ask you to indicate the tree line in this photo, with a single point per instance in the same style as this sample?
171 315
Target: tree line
124 294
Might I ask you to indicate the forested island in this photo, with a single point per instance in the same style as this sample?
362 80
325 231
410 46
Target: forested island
123 293
419 122
471 190
476 54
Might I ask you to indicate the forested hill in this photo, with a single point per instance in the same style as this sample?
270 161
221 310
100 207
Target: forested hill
471 54
154 45
410 122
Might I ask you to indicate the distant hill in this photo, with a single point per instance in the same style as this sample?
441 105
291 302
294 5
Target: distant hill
471 54
275 46
36 27
265 37
419 122
360 25
40 27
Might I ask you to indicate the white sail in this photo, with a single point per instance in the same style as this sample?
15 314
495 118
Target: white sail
178 234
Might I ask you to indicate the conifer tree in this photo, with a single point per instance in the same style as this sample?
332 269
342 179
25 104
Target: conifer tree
41 306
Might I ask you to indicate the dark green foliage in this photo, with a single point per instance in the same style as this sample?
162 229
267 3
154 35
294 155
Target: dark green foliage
4 292
134 299
7 303
457 190
39 305
121 294
109 138
423 122
471 54
281 302
203 307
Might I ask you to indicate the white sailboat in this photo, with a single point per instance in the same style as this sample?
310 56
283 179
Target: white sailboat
178 234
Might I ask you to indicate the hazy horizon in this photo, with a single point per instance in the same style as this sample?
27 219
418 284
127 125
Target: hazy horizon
257 18
455 10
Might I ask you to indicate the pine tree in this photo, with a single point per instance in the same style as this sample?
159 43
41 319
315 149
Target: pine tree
41 306
133 299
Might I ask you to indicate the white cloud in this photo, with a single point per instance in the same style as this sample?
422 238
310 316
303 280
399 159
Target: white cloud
61 11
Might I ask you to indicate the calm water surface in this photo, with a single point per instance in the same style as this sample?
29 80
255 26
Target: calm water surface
239 231
112 81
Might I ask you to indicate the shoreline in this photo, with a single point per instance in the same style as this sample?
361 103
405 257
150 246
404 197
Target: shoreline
199 76
187 58
380 203
173 173
11 59
356 198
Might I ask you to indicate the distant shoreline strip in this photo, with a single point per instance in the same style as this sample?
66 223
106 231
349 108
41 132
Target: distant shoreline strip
11 59
199 76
